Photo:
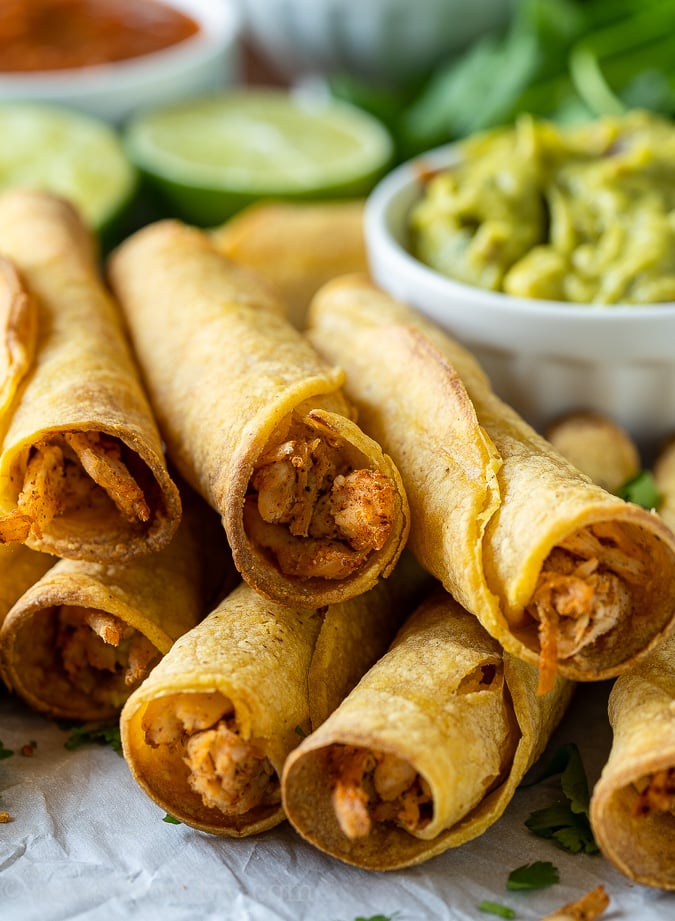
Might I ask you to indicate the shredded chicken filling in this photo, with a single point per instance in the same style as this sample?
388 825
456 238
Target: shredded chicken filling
656 794
315 514
372 786
100 654
58 480
228 772
583 592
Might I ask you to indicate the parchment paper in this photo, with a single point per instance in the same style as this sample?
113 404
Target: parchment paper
86 843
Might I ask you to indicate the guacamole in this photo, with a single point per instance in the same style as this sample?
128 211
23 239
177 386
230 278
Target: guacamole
583 214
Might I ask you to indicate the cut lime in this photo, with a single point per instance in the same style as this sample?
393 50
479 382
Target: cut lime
212 156
72 155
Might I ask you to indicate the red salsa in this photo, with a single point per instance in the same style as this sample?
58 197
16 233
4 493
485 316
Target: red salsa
40 35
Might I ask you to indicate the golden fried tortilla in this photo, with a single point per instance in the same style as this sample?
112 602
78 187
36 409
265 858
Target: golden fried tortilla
257 423
562 573
207 733
82 473
296 246
428 749
633 803
81 638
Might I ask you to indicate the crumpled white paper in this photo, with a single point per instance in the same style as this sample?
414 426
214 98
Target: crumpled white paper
85 842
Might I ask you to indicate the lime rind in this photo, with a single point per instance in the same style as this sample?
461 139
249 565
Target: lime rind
214 155
70 154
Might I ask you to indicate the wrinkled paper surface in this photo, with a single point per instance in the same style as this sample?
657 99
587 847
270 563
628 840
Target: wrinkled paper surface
85 842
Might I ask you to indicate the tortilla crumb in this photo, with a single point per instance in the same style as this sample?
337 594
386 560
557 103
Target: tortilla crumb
587 908
5 817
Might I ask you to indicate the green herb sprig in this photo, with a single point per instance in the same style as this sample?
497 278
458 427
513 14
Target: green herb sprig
566 822
5 752
103 734
538 875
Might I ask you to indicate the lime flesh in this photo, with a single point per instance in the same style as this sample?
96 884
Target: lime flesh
70 154
214 155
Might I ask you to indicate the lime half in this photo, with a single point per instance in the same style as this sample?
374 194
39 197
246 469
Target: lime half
214 155
70 154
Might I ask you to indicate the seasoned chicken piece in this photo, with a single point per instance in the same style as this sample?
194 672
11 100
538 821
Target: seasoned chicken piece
582 593
317 516
101 458
93 643
58 477
228 772
589 907
657 794
376 786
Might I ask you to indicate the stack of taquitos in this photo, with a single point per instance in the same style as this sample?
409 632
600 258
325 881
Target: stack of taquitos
82 473
79 639
257 423
427 750
207 733
562 573
633 803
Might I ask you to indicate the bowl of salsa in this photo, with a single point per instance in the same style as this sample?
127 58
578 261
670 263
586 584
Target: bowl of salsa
112 57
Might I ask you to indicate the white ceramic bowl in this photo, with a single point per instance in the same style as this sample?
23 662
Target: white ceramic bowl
205 62
385 40
543 357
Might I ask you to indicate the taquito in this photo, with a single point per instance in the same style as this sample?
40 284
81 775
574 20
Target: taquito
562 573
82 473
633 803
81 638
207 733
18 332
257 423
296 246
427 751
20 568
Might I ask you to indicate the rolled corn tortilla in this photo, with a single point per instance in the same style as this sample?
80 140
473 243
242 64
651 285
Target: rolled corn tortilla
296 246
20 568
633 803
314 511
562 573
82 473
84 635
207 733
427 751
18 332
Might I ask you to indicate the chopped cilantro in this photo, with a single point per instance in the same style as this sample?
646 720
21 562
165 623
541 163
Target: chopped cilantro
537 875
104 734
566 822
641 489
300 731
5 752
494 908
171 820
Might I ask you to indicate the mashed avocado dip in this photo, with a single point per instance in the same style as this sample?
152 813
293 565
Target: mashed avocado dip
583 214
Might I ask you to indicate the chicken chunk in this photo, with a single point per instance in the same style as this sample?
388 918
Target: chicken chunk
312 512
582 593
372 786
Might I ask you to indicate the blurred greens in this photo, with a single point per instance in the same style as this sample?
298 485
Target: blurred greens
563 60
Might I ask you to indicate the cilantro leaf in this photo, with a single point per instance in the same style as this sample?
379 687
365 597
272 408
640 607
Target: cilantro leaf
104 734
566 822
171 820
641 489
494 908
5 752
537 875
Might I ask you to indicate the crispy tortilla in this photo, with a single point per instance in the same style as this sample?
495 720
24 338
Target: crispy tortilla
562 573
314 510
633 803
84 635
427 750
82 473
207 734
296 246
